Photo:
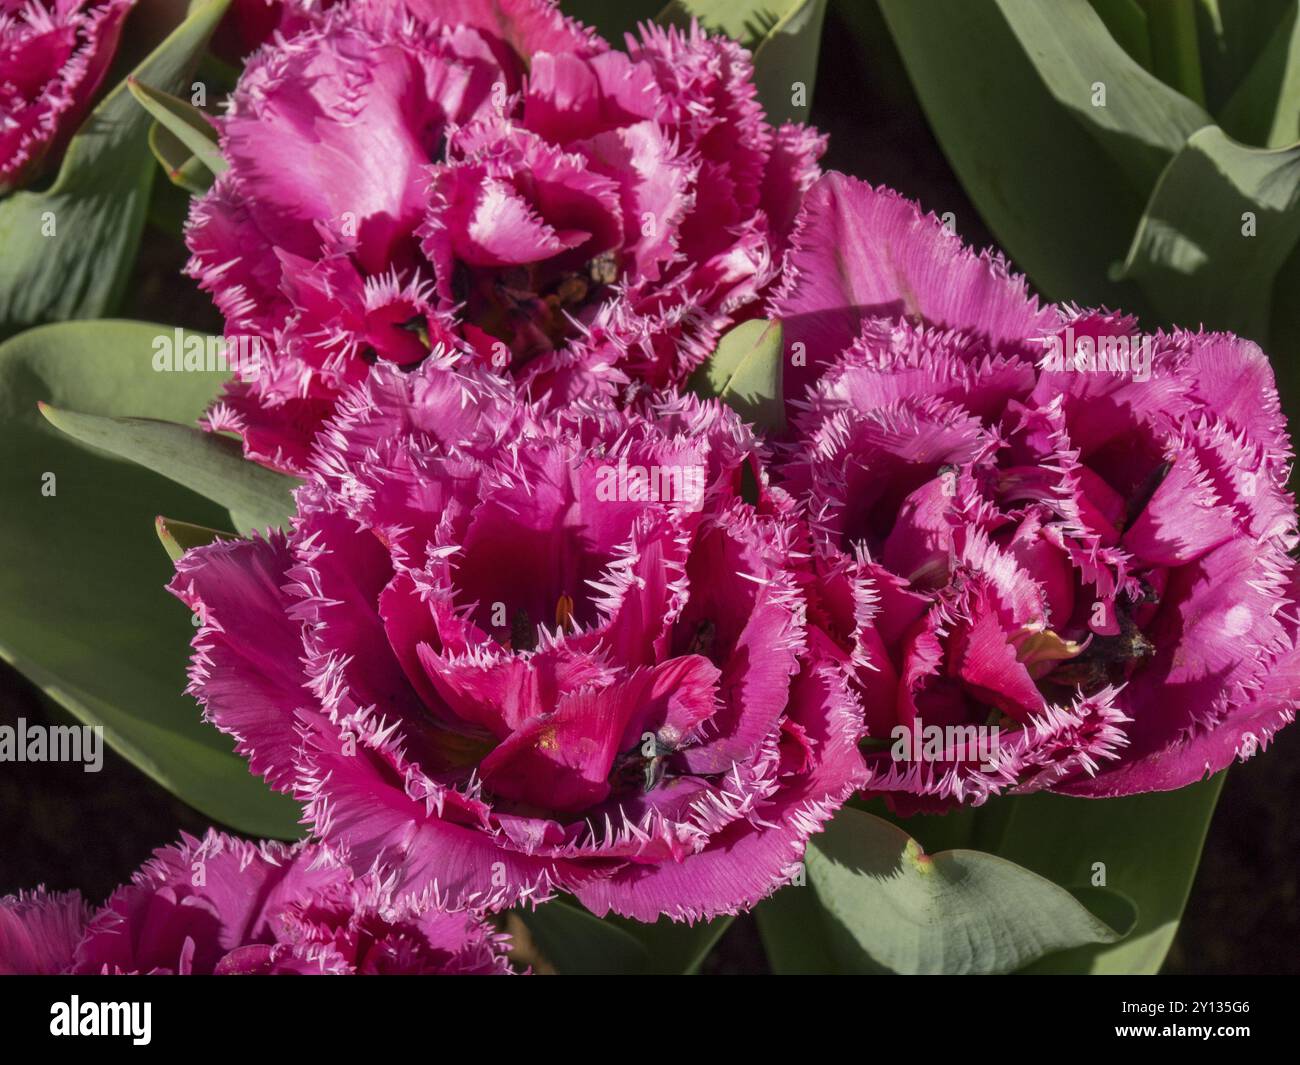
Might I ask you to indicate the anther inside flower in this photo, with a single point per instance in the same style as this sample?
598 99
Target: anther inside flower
1090 559
537 651
574 215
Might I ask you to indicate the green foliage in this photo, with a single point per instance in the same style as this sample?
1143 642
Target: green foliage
83 610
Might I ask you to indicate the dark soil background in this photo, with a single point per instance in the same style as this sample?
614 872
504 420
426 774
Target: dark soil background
69 829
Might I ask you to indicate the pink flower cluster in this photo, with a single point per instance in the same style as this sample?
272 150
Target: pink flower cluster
630 652
53 56
222 906
539 631
493 177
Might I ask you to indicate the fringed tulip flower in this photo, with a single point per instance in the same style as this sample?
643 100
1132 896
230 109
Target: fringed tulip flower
53 56
1053 552
487 175
223 906
514 652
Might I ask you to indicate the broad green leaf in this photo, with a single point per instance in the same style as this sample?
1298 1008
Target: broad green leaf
177 537
674 948
794 933
1063 210
181 167
745 373
1127 23
1147 848
1192 254
959 828
1265 109
578 943
1142 121
83 609
183 120
212 465
69 249
1175 50
784 35
891 907
1233 35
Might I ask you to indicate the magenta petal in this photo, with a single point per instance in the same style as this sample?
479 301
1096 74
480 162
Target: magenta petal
522 27
862 252
303 161
1232 377
1183 519
504 694
745 861
984 657
164 915
575 97
561 760
246 670
1212 743
491 225
1226 600
39 932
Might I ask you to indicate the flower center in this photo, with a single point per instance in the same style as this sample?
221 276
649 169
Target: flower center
533 308
1107 660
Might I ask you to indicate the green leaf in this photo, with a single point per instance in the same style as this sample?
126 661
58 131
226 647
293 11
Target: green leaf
890 907
177 537
1175 50
184 121
1061 209
1010 88
1148 847
674 948
97 203
181 167
1233 35
784 35
1143 121
794 934
745 372
1127 23
578 943
1265 108
1190 254
83 609
212 465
